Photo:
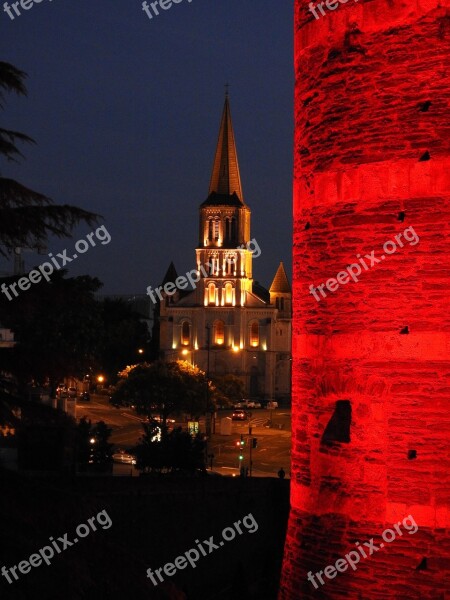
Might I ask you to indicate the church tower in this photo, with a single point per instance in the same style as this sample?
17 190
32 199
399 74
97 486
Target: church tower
225 228
225 322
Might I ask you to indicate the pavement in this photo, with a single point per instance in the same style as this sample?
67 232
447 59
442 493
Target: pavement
273 442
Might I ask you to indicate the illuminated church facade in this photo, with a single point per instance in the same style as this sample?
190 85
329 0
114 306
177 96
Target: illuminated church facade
229 324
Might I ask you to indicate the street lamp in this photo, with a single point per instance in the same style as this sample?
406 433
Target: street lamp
92 442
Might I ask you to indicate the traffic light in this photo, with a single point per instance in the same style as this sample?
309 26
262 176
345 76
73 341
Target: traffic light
254 443
240 444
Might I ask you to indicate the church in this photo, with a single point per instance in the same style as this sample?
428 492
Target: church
226 323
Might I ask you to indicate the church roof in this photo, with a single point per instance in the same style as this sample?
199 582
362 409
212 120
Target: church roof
171 274
222 200
280 283
225 186
261 292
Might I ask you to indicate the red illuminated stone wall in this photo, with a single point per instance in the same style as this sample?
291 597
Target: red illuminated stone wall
371 383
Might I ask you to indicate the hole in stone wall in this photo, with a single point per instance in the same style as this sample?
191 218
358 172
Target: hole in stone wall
307 226
338 428
405 330
334 53
424 106
422 566
412 454
401 216
310 99
425 156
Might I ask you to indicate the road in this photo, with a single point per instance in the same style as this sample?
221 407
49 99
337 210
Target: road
271 453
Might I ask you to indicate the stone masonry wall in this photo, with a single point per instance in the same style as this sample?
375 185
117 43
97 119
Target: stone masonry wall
371 377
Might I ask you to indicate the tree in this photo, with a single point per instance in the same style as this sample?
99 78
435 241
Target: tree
123 333
83 447
163 388
178 451
92 446
28 218
229 388
57 326
102 450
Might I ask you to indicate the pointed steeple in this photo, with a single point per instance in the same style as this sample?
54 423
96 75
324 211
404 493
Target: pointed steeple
171 274
280 283
226 178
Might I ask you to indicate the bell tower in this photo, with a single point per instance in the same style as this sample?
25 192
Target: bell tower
223 260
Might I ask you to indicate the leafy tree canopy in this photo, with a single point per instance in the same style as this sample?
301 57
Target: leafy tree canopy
229 388
164 388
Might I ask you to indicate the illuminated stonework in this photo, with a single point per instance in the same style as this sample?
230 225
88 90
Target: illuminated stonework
249 327
371 422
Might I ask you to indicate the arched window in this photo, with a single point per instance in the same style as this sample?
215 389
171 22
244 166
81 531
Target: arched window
280 303
211 293
213 264
216 228
233 229
230 264
219 333
185 333
227 230
254 334
228 293
210 229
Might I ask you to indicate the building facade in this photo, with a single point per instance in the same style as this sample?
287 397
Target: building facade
226 323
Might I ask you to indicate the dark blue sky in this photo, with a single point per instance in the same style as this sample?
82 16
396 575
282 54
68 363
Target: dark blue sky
126 112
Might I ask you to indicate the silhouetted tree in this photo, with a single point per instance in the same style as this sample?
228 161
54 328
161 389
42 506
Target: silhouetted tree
123 333
28 218
57 326
93 449
178 451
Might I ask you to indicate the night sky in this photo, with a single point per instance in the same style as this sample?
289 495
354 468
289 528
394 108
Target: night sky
126 110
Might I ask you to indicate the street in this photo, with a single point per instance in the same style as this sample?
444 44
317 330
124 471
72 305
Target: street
273 443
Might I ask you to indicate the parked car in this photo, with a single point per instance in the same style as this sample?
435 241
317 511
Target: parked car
159 419
272 404
72 392
61 390
85 397
240 415
123 457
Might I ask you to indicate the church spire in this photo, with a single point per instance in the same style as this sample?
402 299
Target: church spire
226 178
